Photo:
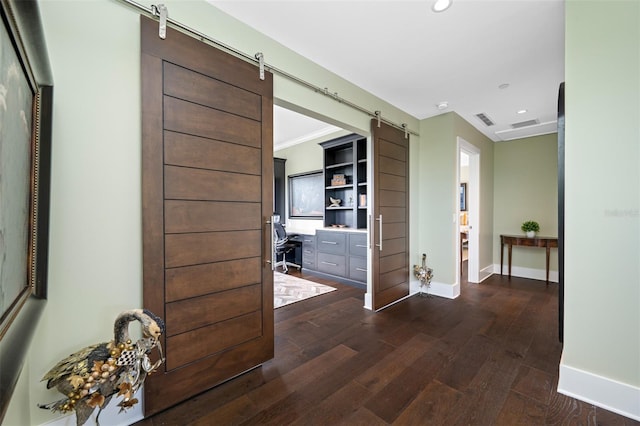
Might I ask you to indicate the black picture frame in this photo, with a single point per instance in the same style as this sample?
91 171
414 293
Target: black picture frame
306 195
463 197
28 94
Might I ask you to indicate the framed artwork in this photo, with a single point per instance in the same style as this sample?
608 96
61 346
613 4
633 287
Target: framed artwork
463 197
26 91
306 195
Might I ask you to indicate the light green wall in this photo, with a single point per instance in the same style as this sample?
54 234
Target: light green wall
467 132
602 257
304 157
16 414
438 193
95 264
526 188
301 158
95 231
437 196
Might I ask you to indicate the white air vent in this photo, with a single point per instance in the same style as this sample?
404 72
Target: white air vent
525 123
528 131
485 119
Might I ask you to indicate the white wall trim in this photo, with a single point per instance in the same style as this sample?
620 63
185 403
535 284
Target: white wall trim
486 273
534 274
609 394
435 289
368 301
450 291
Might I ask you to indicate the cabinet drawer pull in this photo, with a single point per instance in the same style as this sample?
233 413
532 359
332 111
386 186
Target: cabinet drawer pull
361 270
361 245
329 242
329 263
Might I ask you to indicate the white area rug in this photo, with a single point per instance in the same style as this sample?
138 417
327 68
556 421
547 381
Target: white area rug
288 289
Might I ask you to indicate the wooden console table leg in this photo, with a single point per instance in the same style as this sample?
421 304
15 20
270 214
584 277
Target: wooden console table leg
510 248
501 255
548 254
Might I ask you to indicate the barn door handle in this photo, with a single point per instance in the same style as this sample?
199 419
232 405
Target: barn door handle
271 223
379 218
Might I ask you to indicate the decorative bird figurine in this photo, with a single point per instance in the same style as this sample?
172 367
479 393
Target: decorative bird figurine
423 274
91 376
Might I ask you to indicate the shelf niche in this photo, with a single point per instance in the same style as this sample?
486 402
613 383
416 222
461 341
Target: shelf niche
345 177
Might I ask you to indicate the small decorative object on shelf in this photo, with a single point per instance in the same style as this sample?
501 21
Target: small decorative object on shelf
424 275
530 227
335 202
338 180
91 376
363 200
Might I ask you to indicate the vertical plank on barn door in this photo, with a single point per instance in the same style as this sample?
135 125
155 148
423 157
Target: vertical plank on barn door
207 190
390 227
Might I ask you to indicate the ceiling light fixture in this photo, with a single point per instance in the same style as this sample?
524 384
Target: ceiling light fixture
441 5
442 105
503 86
521 111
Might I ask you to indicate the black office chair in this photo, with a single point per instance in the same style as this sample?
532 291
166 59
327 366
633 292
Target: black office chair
282 247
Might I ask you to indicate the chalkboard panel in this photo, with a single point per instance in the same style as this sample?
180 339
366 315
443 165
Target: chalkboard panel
306 195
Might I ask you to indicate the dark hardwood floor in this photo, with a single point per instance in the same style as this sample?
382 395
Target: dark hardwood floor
489 357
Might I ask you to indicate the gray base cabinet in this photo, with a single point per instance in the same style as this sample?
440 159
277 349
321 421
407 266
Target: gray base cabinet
340 255
309 252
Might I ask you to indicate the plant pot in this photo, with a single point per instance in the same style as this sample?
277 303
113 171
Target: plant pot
531 234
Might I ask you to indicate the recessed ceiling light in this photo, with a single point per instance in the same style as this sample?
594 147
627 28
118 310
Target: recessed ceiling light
442 105
522 111
441 5
503 86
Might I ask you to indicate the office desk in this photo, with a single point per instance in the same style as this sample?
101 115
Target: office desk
521 240
295 256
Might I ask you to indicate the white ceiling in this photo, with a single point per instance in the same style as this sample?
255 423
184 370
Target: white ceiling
413 58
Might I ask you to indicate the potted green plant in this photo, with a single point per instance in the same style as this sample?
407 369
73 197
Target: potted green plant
530 227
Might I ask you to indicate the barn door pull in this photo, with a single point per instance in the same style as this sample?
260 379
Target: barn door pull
271 223
379 218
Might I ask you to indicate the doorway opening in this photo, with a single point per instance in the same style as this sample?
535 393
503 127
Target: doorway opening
298 135
468 217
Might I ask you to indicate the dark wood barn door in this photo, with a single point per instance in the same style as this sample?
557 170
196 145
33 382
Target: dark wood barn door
207 194
390 228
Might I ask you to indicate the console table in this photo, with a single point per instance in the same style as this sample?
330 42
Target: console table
521 240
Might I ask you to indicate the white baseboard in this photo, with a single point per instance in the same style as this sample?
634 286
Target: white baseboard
606 393
368 301
435 289
486 273
531 273
450 291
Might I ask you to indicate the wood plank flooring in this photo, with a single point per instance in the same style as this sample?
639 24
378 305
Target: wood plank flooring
489 357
